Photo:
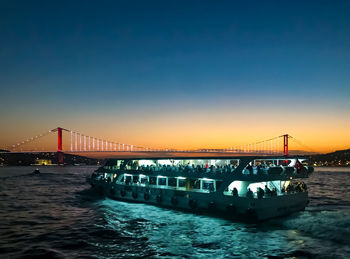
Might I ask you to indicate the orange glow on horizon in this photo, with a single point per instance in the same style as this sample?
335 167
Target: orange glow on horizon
211 128
193 138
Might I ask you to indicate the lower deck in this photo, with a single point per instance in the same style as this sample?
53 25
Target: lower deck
231 206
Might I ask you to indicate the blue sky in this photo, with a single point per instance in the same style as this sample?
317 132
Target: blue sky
70 62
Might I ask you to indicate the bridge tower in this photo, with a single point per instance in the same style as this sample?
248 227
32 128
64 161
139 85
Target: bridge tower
60 155
59 134
285 144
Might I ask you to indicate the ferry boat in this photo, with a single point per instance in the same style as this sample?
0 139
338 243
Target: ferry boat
251 188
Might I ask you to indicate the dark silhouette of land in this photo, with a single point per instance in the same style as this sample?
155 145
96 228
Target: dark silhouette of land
337 158
44 158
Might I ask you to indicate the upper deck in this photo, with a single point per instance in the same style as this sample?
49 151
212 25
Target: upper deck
251 168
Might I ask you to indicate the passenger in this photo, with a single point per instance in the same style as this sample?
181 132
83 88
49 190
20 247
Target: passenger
274 192
290 188
303 185
207 169
235 192
250 168
267 191
211 188
283 190
212 169
260 168
260 193
255 169
250 194
230 168
226 169
219 169
299 187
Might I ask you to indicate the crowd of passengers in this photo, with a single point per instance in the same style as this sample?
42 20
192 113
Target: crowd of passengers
260 168
186 168
204 168
267 192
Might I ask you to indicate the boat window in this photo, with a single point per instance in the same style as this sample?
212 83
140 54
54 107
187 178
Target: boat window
128 179
161 181
172 182
153 180
195 184
142 179
208 185
181 183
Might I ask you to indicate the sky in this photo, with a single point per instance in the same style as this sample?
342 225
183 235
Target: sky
177 74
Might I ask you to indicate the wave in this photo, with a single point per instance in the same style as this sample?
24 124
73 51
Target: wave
327 225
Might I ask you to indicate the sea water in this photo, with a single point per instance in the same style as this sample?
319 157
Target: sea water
57 215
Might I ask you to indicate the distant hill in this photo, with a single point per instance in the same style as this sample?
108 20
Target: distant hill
301 152
337 158
25 159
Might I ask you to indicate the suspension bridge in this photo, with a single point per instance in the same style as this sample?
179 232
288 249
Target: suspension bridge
77 142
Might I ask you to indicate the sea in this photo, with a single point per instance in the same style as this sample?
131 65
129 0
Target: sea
57 215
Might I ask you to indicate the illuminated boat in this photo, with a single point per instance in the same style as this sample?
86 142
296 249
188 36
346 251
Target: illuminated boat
246 187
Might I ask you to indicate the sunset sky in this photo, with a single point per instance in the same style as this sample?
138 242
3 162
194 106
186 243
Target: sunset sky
177 74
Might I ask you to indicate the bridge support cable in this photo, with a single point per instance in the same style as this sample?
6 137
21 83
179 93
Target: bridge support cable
302 145
19 145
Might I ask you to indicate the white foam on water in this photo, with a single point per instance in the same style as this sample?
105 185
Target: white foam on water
328 225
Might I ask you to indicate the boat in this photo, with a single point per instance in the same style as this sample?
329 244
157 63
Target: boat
253 188
36 171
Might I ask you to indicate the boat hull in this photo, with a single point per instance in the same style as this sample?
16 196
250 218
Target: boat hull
241 208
